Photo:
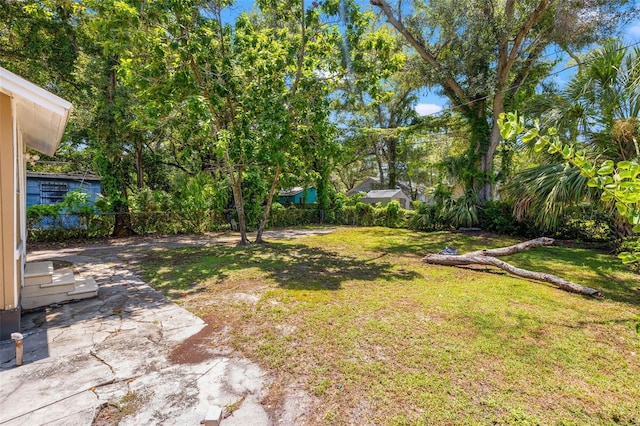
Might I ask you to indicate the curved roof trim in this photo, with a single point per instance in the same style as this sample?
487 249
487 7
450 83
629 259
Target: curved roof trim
41 116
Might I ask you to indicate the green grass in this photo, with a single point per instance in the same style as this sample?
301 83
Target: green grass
378 337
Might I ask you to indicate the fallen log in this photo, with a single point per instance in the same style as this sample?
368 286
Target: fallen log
516 248
488 257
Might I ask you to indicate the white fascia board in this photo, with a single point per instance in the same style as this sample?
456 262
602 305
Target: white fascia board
36 101
14 85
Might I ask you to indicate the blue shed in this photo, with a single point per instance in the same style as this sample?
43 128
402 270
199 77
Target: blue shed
51 188
297 195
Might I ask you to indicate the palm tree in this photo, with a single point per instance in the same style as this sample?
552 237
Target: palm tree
599 112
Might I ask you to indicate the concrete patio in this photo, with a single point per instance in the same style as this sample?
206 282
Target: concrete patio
130 349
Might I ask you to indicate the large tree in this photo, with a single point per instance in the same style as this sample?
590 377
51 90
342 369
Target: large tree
482 52
74 49
250 90
375 102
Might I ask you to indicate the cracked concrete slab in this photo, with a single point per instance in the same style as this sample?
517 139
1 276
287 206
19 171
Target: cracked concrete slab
77 410
117 347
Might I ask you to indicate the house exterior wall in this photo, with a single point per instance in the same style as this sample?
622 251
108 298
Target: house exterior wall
365 186
29 116
52 189
404 201
375 200
10 251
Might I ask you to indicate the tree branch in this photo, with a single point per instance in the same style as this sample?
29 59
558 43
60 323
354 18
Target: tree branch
487 257
517 42
451 86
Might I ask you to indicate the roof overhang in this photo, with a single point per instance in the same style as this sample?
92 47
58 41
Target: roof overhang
80 177
41 116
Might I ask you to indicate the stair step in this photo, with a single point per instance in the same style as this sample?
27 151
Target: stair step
38 273
83 288
31 302
34 290
62 277
62 282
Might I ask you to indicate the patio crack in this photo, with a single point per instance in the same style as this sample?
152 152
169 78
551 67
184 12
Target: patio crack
96 356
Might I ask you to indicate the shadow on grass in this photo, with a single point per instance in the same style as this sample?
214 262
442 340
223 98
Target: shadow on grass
591 268
424 243
601 271
291 266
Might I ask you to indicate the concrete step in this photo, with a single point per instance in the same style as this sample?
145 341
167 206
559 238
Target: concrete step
84 288
37 273
63 281
37 301
64 287
61 278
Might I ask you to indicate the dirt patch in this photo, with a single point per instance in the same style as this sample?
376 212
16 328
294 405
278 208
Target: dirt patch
275 399
108 415
199 347
61 264
195 349
288 402
111 414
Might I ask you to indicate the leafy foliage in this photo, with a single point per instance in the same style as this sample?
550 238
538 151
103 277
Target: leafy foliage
618 183
75 216
481 54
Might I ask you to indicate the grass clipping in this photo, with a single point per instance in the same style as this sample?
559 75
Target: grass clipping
489 257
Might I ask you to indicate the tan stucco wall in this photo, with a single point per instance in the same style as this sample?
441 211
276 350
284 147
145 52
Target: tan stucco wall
8 290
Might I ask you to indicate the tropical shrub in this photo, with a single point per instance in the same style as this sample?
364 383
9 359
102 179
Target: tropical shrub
618 183
426 217
464 211
394 214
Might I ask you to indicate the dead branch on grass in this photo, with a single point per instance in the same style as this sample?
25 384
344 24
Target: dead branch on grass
489 257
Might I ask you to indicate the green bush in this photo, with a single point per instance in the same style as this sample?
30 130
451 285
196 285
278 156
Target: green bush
365 214
197 201
464 211
281 216
426 217
151 212
394 214
497 216
74 217
630 244
597 227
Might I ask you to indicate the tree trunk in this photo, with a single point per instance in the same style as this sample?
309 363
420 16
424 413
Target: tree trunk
391 154
112 166
139 162
380 166
622 227
323 169
487 257
122 226
236 188
486 164
265 217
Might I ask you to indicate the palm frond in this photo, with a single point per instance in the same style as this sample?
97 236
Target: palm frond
544 193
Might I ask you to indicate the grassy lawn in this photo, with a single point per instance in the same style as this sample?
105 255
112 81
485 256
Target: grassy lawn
375 336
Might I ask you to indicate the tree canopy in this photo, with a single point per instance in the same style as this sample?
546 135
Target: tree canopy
482 53
188 100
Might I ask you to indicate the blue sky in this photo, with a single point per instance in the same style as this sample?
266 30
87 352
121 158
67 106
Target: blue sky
431 103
